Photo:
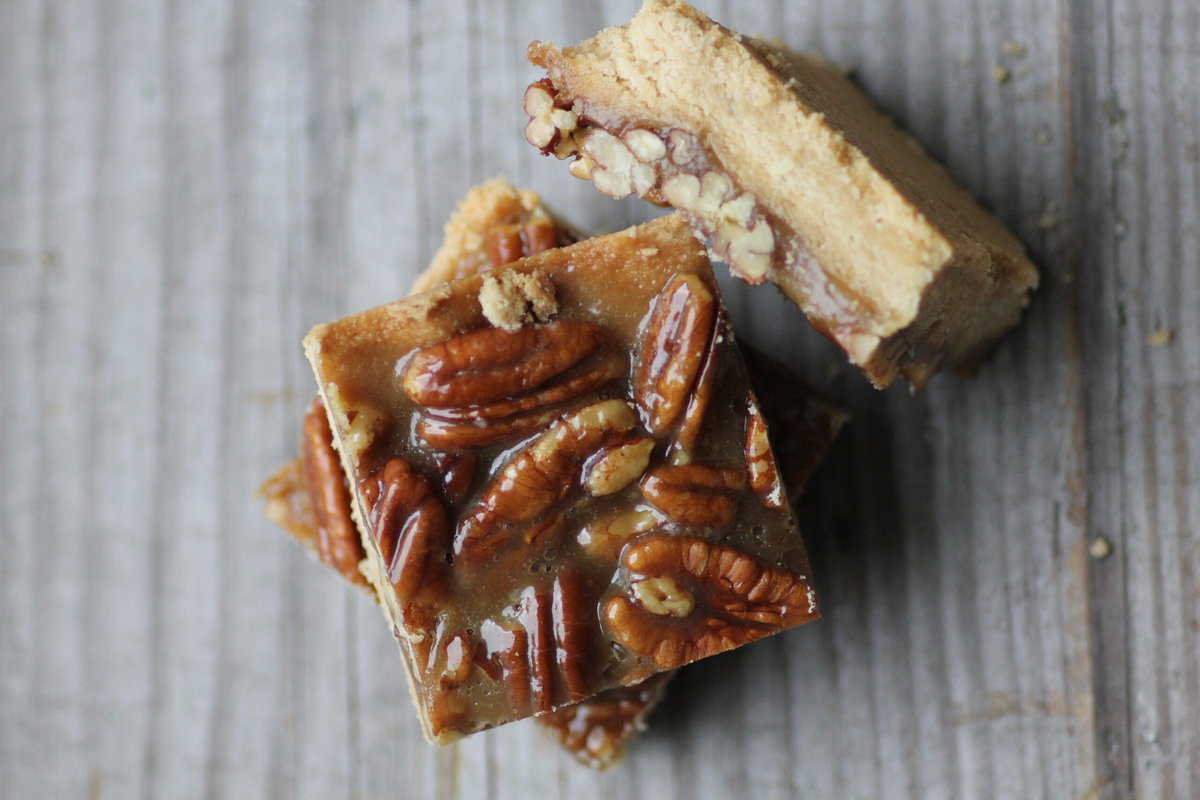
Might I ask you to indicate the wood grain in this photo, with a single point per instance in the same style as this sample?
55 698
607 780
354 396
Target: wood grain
187 187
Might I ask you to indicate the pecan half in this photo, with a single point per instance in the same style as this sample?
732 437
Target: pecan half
693 494
705 599
410 528
447 434
491 363
541 653
338 543
539 476
570 613
534 614
760 463
686 438
675 340
605 367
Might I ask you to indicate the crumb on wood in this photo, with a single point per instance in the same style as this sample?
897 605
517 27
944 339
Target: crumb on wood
1160 337
1001 74
1014 49
1100 548
1049 219
510 299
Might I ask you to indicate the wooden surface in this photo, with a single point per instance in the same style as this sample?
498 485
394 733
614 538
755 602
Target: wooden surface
186 187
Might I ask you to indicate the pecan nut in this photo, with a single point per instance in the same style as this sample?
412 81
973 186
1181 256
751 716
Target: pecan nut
676 338
505 654
690 599
540 475
614 468
534 614
688 434
447 707
445 434
603 537
505 244
693 494
614 169
550 124
458 473
761 471
541 653
590 376
572 632
410 528
337 541
492 363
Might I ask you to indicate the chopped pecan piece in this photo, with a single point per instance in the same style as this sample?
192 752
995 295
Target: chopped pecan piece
410 528
676 338
693 494
614 468
705 599
605 536
760 463
550 124
491 363
338 543
539 476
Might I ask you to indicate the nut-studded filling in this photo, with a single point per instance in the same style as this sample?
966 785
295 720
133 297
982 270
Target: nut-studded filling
522 472
669 165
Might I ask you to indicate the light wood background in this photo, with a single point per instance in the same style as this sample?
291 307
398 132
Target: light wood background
186 187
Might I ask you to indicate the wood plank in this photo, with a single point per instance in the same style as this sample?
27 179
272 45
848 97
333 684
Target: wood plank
189 187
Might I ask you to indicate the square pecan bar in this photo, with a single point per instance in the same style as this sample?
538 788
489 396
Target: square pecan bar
790 174
493 225
561 477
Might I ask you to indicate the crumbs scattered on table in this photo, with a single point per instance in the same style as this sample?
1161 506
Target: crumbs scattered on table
1100 548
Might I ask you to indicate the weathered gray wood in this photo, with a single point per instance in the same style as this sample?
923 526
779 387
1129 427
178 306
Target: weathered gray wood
187 187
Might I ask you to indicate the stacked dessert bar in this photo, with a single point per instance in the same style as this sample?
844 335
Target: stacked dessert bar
552 466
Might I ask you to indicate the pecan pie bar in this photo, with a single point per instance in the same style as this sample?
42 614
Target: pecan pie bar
622 514
790 174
